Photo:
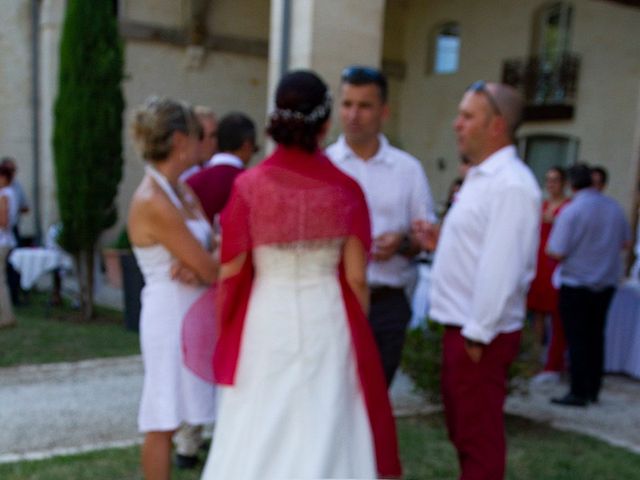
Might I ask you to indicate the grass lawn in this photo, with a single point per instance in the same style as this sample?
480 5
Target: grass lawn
55 334
47 334
536 452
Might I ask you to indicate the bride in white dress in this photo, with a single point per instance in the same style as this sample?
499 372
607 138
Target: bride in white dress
303 391
171 238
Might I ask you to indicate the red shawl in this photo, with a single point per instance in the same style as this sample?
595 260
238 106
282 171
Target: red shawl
296 196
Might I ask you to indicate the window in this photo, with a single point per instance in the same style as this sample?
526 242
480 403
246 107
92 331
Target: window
552 31
541 152
445 54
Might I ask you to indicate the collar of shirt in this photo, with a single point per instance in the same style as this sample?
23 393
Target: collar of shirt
585 192
225 159
495 161
345 152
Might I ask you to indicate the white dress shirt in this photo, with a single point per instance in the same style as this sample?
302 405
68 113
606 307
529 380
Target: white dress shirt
397 193
486 255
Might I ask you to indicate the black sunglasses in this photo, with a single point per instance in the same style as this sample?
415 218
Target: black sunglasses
481 87
357 73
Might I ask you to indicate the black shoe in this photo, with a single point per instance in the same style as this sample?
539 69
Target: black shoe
186 462
570 400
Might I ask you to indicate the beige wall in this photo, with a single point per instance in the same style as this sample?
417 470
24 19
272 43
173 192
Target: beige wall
223 81
15 93
604 34
423 105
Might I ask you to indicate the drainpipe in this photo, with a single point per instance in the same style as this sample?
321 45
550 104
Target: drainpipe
286 37
35 116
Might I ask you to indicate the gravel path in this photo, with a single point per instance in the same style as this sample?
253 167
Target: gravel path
66 408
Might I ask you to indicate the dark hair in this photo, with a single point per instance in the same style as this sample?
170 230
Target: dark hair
6 171
361 75
561 171
303 105
9 162
602 172
579 176
233 130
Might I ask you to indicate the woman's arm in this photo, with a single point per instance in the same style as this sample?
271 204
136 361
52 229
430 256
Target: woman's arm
4 212
155 219
355 266
232 267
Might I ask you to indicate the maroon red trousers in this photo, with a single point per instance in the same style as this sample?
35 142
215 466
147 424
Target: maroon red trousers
473 395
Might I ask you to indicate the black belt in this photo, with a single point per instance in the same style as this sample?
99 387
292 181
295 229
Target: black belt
383 291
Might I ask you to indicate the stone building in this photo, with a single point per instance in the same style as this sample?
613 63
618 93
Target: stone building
577 61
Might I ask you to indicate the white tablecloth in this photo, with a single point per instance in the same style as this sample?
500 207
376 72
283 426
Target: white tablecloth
622 336
34 262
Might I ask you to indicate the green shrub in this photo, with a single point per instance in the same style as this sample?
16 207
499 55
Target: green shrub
422 359
87 134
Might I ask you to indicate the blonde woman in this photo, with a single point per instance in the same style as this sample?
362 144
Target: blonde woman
167 228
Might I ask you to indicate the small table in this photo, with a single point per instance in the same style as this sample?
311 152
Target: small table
32 263
622 334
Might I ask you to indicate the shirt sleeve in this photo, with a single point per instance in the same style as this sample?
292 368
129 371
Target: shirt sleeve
421 202
507 260
559 242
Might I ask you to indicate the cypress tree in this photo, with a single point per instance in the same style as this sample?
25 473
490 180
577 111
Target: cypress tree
87 137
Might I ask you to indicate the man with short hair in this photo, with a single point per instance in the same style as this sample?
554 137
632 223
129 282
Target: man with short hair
188 438
587 238
484 261
237 145
236 138
208 139
397 193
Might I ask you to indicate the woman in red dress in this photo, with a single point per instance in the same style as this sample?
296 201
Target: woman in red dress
543 297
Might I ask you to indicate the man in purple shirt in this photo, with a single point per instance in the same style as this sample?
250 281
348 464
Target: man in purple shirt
236 145
587 238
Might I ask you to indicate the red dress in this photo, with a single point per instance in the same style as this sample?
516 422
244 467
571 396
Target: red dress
542 296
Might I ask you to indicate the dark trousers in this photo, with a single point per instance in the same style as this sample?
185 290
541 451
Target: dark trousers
389 315
584 313
13 281
473 395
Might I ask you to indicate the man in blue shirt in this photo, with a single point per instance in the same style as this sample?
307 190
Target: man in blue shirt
587 238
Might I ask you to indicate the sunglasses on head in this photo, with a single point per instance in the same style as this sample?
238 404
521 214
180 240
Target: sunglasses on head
357 73
481 87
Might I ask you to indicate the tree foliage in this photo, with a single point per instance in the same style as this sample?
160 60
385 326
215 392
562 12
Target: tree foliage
87 138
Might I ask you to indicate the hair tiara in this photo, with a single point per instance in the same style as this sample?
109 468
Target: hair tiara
320 111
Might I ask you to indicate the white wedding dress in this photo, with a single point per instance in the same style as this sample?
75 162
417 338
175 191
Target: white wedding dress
296 409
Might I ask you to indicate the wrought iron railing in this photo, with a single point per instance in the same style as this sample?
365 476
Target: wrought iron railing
549 87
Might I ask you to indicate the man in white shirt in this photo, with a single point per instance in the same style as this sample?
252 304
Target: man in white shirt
208 140
235 136
484 262
397 193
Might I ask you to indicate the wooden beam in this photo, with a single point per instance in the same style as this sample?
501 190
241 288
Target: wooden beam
629 3
146 32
